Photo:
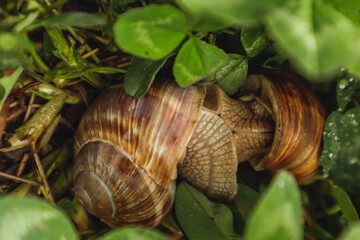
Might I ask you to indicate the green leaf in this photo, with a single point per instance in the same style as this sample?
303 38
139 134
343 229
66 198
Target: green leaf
245 200
150 32
134 233
353 233
278 214
141 74
75 19
197 60
345 87
7 83
347 208
341 155
30 218
317 38
209 15
254 40
12 41
350 8
232 76
11 59
201 218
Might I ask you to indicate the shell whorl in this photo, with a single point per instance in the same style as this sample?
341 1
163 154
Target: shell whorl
299 120
143 141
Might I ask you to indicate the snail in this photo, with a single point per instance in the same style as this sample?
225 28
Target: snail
128 151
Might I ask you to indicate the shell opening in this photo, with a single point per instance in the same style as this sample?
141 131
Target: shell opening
94 195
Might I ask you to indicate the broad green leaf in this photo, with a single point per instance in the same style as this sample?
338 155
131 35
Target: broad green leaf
209 15
7 83
350 8
141 74
232 76
340 158
353 233
134 233
254 40
347 208
197 60
201 218
345 87
150 32
12 41
278 214
317 38
245 200
30 218
75 19
11 59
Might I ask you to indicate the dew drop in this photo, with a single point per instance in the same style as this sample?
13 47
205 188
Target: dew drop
343 84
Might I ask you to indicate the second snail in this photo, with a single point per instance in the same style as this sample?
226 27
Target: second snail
129 152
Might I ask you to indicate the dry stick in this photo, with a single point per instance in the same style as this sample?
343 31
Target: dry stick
28 110
75 82
108 59
14 104
14 115
24 180
123 65
36 105
90 53
43 177
22 164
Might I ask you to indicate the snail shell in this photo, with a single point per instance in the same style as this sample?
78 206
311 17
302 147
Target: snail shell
127 151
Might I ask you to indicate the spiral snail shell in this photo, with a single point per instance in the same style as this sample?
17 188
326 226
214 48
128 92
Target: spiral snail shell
128 151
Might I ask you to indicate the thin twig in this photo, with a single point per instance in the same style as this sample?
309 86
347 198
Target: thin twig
75 82
22 164
14 104
14 115
43 177
90 53
36 105
28 110
123 65
108 59
24 180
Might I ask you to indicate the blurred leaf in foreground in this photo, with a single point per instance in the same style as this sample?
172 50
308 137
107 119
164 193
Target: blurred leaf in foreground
30 218
278 214
317 37
7 83
201 218
353 233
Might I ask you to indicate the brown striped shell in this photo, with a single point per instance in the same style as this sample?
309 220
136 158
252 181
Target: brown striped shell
127 150
299 120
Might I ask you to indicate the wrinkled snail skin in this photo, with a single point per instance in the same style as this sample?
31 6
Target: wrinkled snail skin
128 151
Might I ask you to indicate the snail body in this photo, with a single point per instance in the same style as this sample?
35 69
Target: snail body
128 151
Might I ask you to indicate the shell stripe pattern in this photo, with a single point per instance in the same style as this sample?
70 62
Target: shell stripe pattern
151 132
299 119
